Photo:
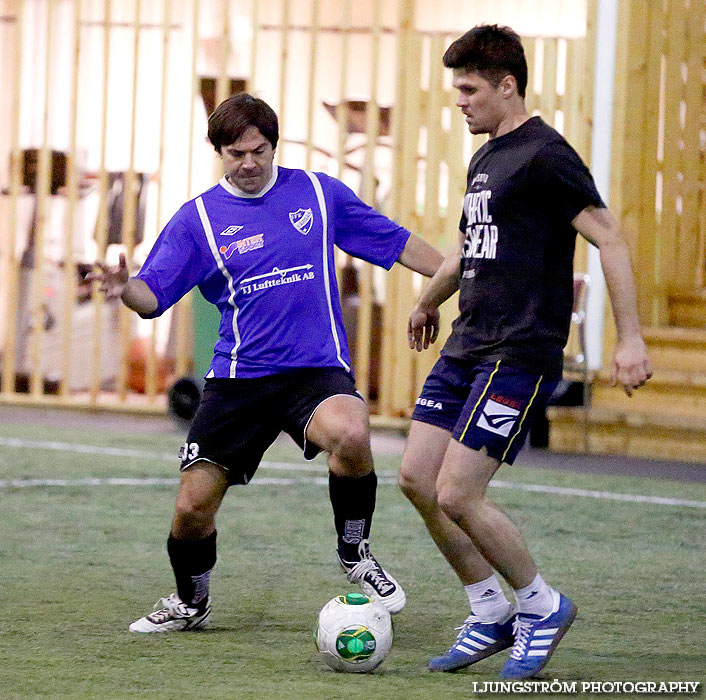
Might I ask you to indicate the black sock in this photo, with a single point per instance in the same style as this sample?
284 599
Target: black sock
192 561
353 501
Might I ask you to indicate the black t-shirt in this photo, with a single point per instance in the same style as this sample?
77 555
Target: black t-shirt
516 291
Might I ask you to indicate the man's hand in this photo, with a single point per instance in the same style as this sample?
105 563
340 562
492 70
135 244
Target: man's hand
116 283
631 366
422 327
113 280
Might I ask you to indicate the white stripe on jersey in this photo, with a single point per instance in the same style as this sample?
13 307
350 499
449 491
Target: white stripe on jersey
327 283
219 261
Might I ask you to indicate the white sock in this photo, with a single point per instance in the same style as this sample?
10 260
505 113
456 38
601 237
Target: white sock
536 599
488 601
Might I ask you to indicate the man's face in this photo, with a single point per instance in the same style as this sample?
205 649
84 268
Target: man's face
248 161
483 105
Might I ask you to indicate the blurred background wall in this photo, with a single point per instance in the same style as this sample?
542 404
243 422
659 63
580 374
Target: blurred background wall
102 137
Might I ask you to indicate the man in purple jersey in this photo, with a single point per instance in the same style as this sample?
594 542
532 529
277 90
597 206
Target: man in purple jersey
260 246
527 195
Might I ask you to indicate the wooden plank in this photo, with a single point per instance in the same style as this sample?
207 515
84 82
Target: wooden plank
151 387
652 298
194 93
405 130
37 295
690 261
127 228
102 221
184 324
255 24
573 131
454 157
432 232
342 109
72 187
549 69
674 52
365 271
313 46
284 63
7 386
529 44
589 71
435 138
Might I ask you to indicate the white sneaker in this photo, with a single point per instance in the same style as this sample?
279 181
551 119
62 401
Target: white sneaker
172 615
374 581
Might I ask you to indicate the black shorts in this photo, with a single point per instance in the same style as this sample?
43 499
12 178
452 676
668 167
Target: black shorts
238 419
484 404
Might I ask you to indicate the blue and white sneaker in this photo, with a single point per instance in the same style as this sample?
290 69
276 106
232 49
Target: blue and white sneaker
536 638
476 640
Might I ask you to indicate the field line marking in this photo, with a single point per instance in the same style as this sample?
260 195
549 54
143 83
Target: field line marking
384 477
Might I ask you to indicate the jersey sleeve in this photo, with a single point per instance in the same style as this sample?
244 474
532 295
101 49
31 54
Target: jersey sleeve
360 230
561 177
175 264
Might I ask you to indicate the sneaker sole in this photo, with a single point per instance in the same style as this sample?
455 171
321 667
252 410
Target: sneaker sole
488 651
199 624
393 603
557 638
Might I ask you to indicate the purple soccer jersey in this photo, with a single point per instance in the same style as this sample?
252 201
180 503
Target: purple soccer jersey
267 263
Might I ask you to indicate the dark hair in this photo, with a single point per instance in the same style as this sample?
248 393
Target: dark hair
233 116
491 51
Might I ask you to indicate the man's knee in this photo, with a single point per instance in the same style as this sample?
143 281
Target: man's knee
200 494
420 491
351 441
458 505
192 505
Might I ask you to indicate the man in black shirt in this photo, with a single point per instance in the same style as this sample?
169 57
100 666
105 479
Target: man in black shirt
528 193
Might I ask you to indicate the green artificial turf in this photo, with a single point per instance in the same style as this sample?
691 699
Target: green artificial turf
79 563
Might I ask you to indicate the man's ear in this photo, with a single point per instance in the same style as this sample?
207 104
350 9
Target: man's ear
508 85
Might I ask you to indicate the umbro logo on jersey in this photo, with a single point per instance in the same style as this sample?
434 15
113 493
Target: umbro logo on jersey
230 231
497 418
302 219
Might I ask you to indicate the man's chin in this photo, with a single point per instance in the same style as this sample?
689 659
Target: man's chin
250 186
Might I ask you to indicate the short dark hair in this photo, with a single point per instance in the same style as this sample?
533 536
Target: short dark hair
491 51
233 116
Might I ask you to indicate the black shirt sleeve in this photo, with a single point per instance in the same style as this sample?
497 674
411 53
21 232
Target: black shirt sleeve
558 173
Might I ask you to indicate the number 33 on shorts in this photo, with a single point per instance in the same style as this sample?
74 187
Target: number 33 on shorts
189 450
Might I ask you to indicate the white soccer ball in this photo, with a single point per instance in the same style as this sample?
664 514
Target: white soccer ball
353 633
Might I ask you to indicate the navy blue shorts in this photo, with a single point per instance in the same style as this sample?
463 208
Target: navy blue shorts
484 404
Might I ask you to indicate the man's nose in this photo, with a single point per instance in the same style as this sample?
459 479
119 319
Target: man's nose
249 161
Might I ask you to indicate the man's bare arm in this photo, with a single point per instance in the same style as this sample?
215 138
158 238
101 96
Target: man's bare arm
631 365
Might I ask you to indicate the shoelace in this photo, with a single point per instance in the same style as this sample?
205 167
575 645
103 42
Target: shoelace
522 631
167 608
462 630
371 571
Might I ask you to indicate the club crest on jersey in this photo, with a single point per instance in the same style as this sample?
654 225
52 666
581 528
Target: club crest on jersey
302 219
497 418
230 231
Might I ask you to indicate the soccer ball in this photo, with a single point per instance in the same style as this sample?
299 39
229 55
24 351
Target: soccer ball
353 633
